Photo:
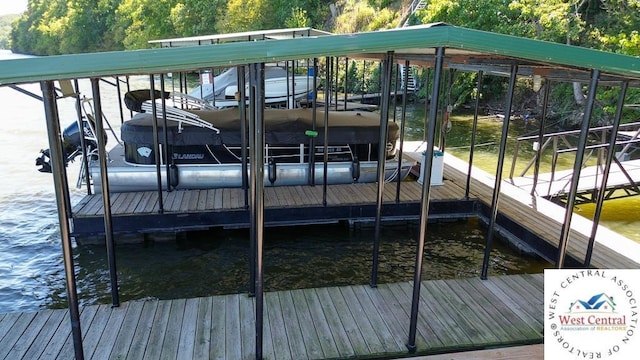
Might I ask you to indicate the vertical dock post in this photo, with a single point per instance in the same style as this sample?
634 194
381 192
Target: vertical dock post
106 199
60 182
387 68
314 113
83 141
577 167
327 101
474 129
242 107
257 190
403 121
543 125
611 151
498 179
156 143
424 211
165 134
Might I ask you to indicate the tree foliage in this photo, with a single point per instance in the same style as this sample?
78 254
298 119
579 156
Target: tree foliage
72 26
6 22
610 25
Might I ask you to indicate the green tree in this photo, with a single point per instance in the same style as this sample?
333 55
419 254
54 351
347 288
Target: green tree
5 29
243 15
144 20
196 17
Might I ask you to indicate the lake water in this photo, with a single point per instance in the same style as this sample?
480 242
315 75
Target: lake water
204 263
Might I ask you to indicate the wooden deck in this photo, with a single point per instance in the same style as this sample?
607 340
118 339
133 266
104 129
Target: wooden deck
285 205
526 352
323 323
224 199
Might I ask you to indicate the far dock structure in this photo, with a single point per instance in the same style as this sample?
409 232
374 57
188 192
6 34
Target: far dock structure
376 320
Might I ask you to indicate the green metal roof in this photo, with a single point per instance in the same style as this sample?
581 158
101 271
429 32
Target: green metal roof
465 49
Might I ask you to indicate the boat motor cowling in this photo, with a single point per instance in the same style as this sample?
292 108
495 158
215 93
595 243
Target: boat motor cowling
71 146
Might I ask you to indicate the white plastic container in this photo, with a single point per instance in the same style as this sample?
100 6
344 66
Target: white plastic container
437 168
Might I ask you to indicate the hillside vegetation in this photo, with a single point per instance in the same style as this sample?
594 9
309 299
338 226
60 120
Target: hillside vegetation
5 30
74 26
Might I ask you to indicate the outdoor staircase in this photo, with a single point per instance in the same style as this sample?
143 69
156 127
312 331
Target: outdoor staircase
411 84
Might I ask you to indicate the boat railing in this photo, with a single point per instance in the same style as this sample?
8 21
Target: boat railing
561 144
91 116
188 102
180 116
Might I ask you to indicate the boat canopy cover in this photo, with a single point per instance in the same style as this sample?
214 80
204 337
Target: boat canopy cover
134 99
282 127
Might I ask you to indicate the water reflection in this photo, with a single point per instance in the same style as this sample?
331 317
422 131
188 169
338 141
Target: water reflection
216 262
619 215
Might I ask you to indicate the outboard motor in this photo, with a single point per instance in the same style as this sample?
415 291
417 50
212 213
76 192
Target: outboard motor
71 146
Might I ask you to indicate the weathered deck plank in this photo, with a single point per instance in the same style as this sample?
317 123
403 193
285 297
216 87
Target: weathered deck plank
335 322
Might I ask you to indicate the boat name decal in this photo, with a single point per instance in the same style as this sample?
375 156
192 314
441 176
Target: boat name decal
179 156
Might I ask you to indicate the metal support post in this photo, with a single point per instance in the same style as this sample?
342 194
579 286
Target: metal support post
242 107
328 65
424 210
403 118
577 167
83 140
382 155
156 142
257 175
252 180
106 202
165 126
474 129
611 151
498 179
543 125
59 181
312 138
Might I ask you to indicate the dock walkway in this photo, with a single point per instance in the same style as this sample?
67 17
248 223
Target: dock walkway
322 323
558 183
536 215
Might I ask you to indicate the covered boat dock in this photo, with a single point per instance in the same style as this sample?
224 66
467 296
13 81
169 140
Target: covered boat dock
437 47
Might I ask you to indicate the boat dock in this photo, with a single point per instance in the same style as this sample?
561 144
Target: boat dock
531 223
202 209
625 176
355 321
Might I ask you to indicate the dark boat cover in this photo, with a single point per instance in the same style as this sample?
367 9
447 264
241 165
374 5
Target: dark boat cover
282 127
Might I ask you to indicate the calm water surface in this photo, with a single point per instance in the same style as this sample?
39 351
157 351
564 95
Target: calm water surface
207 263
